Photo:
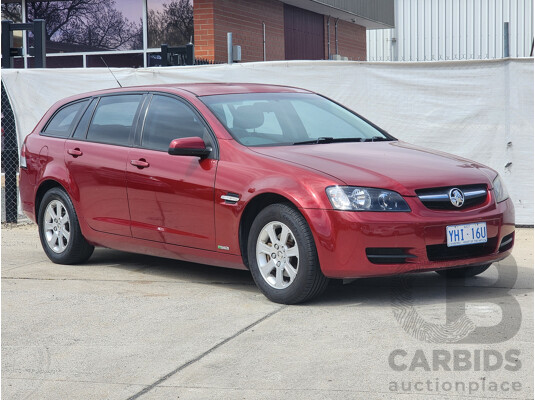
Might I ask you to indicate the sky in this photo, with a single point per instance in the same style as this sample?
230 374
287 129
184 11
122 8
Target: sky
132 9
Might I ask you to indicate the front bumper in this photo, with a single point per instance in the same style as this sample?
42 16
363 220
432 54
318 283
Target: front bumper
345 240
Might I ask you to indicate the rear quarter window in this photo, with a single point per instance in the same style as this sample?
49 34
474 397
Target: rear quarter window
62 123
81 130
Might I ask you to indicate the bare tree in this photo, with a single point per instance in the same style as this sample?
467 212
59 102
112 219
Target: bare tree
173 25
106 28
12 12
93 23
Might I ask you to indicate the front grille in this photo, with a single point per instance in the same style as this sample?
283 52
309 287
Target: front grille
439 198
441 252
388 255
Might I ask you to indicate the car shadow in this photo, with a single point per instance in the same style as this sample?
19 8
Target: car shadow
424 288
158 269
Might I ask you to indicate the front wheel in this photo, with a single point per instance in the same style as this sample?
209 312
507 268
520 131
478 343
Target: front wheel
464 272
59 229
282 256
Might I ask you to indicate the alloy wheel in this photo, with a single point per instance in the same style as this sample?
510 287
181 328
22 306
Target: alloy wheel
57 227
277 255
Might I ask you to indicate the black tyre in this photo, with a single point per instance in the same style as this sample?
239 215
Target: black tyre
464 272
282 256
59 229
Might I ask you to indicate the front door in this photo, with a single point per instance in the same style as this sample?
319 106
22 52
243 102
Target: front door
171 198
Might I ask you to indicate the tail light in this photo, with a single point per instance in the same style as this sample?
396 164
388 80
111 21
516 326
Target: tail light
23 156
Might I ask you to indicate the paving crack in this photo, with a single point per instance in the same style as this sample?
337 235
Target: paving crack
201 356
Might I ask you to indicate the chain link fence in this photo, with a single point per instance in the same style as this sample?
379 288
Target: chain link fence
10 162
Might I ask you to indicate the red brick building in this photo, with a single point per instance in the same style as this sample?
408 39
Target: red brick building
288 29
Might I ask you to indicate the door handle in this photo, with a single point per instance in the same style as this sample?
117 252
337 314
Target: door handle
141 163
75 152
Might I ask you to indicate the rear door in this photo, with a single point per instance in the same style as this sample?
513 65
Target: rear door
171 198
96 156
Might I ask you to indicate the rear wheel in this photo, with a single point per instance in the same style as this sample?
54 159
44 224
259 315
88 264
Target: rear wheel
464 272
59 229
282 256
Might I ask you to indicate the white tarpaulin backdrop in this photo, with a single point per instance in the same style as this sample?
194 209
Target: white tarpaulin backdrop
481 110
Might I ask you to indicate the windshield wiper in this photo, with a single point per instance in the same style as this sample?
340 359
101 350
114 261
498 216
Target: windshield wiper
329 139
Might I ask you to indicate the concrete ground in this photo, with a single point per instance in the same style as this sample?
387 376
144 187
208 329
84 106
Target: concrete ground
125 326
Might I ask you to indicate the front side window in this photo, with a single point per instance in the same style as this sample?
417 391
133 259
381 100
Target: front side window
275 119
62 122
169 119
113 119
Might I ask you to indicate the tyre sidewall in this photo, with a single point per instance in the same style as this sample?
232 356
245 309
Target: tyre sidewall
67 255
308 260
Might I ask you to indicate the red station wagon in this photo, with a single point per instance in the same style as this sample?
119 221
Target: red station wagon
278 180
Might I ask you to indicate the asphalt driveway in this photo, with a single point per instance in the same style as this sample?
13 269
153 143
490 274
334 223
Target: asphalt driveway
130 326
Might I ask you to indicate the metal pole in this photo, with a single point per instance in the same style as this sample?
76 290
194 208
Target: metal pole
264 38
145 34
7 44
229 48
190 56
39 35
329 37
506 39
336 34
24 36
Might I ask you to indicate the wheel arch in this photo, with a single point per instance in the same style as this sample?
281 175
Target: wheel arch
44 187
253 207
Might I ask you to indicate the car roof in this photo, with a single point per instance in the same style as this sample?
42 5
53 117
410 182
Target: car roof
208 89
196 89
200 89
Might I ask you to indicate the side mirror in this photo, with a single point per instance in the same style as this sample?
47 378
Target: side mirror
190 146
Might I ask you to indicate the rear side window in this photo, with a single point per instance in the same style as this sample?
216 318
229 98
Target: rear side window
113 119
169 119
63 121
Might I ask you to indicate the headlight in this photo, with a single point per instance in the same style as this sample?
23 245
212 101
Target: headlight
354 198
499 190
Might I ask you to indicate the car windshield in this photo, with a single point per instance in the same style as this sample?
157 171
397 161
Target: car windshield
278 119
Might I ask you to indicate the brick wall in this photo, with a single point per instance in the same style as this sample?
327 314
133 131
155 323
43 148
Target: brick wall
203 20
244 19
214 18
351 40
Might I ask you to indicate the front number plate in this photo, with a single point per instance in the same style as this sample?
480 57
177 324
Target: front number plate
461 235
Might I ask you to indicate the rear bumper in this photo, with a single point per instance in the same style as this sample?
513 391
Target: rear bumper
27 194
354 244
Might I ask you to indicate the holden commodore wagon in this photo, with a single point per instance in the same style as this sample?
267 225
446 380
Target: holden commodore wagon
278 180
